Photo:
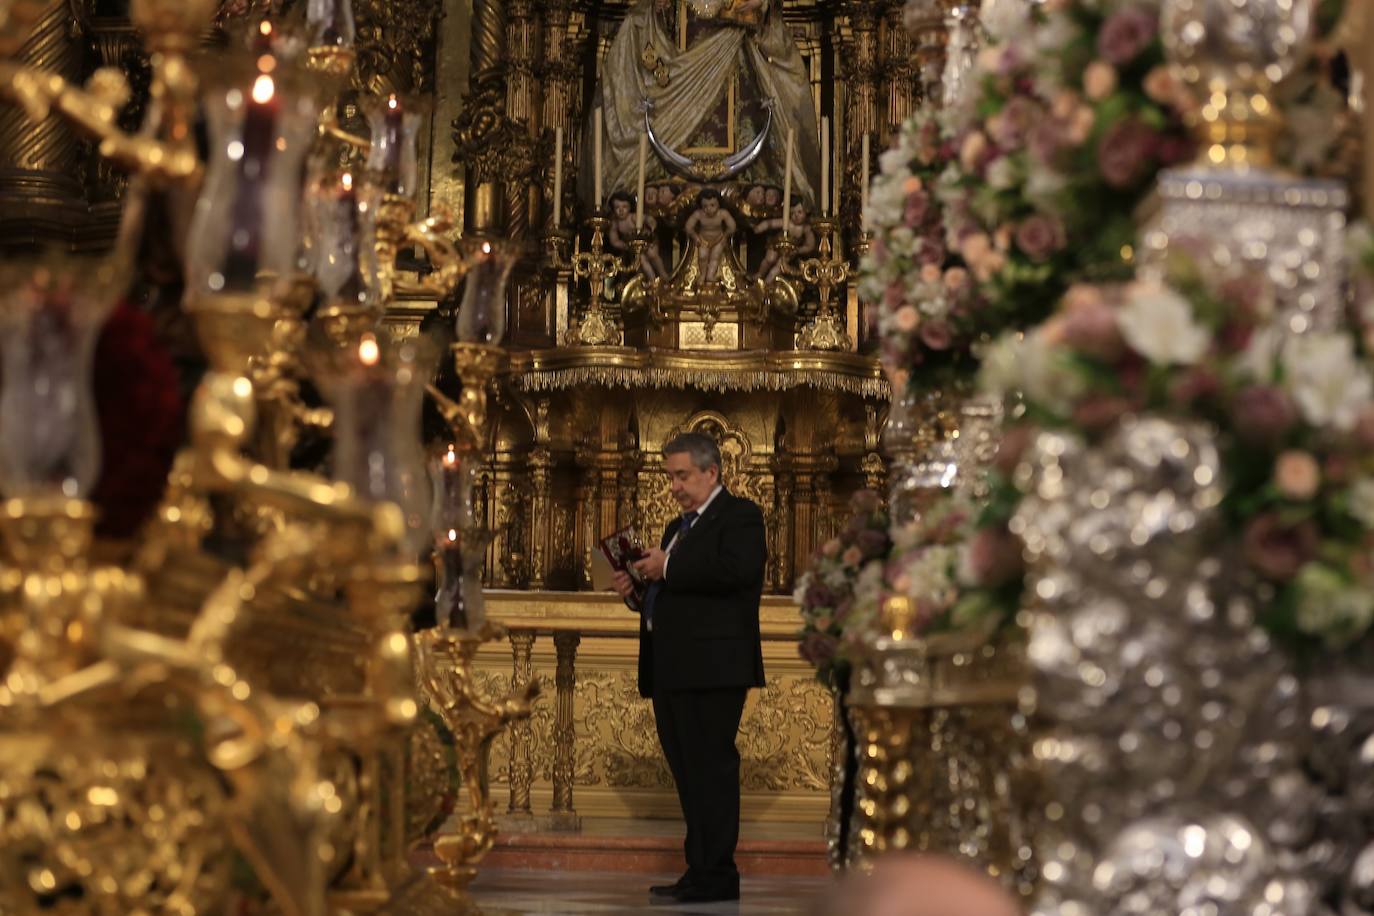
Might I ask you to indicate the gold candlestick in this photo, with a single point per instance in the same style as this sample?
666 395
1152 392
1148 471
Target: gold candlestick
596 328
825 271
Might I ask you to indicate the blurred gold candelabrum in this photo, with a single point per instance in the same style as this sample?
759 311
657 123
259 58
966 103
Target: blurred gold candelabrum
140 764
596 265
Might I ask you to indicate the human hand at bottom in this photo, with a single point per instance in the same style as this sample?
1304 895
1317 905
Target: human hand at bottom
624 585
651 566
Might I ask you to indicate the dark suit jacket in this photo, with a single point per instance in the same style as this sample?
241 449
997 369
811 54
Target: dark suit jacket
706 618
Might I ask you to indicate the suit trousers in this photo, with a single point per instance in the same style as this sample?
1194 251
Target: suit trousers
697 729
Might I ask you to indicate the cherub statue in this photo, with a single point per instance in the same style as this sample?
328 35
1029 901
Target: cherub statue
623 229
799 231
711 228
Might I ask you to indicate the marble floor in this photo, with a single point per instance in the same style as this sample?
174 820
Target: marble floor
514 893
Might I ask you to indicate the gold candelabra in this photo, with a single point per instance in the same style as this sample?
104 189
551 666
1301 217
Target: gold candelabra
595 328
826 330
142 759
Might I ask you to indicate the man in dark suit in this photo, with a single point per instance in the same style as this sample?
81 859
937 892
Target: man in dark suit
699 653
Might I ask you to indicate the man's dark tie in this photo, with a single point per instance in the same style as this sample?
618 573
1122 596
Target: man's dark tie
656 586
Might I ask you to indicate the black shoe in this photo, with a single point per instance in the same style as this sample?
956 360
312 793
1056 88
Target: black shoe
669 890
694 893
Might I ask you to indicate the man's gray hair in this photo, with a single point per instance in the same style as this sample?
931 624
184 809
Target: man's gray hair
702 448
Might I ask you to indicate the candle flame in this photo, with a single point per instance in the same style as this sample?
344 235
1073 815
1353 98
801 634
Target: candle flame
453 535
486 248
368 351
393 103
264 89
347 181
265 27
450 456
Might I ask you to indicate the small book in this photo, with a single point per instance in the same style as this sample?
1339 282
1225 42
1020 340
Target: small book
620 551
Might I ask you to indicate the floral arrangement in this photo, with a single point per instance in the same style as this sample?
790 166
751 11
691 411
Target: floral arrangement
827 591
1294 415
985 213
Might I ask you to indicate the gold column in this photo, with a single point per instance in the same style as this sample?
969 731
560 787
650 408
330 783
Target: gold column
861 73
781 567
540 524
627 504
560 72
488 53
524 197
40 199
901 78
521 735
588 518
562 813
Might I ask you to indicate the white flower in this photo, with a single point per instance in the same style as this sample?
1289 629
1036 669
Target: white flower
1261 355
903 242
886 202
1043 187
1158 324
1005 20
1032 366
1056 33
1362 502
1002 174
1000 373
1325 379
1330 608
896 163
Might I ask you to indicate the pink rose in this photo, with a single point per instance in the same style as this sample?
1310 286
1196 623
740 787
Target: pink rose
936 335
912 185
971 153
1125 152
1080 125
974 247
915 210
1083 296
1092 329
1364 428
1099 411
852 556
956 278
1277 550
1001 237
1009 126
930 273
1160 85
1126 34
1297 475
830 547
1014 443
1046 140
995 557
1039 237
906 319
1262 414
893 296
1099 80
988 267
1065 103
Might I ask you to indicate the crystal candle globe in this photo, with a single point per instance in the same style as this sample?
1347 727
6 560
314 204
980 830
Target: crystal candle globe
50 317
246 226
335 238
330 23
376 389
393 161
482 314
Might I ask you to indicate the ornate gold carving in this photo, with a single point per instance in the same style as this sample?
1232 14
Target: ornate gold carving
564 731
521 767
650 61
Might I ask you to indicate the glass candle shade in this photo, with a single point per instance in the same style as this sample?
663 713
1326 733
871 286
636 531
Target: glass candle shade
50 318
393 162
376 389
336 240
482 314
246 226
460 544
330 23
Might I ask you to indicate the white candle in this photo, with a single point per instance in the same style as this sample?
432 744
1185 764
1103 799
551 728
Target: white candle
825 165
596 158
787 181
863 190
639 199
557 176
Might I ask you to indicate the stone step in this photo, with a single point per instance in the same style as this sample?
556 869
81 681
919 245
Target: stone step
648 855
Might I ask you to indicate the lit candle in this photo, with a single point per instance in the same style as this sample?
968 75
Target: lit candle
596 157
863 189
787 180
643 161
825 165
557 176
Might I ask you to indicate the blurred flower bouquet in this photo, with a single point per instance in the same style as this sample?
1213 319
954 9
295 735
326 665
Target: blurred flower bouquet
985 213
1294 419
827 592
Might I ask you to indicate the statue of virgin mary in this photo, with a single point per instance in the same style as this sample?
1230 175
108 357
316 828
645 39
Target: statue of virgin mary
686 84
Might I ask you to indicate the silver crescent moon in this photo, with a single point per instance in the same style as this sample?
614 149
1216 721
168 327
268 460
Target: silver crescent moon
684 167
